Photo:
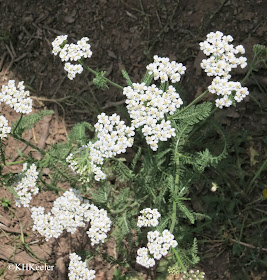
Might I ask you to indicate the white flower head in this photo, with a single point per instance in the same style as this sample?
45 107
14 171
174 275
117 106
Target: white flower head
4 128
71 52
158 246
165 70
78 269
26 187
16 97
147 106
148 218
68 213
222 55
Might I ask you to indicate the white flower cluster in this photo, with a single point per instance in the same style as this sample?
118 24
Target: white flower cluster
16 97
222 55
66 213
58 43
69 212
163 69
148 218
223 87
73 69
147 106
223 58
26 186
4 128
46 224
100 224
78 269
114 137
72 52
158 246
143 258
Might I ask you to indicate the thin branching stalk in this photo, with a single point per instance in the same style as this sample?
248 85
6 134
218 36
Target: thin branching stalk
189 105
95 73
29 144
178 259
19 121
14 162
2 152
176 182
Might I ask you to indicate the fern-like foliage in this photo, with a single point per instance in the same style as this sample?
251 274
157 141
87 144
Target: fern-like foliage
260 54
124 173
136 157
205 159
185 211
29 121
185 121
195 113
78 133
189 256
100 80
101 195
127 78
147 79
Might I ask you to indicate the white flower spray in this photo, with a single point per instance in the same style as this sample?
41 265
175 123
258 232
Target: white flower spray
223 58
71 52
68 213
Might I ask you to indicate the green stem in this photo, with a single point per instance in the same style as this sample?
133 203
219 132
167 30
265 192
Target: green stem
95 73
250 185
21 115
175 191
2 152
251 69
189 105
14 162
28 143
178 259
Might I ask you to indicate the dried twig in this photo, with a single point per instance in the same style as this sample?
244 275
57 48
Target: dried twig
7 229
247 244
53 30
2 60
10 52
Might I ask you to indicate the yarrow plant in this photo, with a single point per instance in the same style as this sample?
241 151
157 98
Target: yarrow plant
226 89
128 194
223 55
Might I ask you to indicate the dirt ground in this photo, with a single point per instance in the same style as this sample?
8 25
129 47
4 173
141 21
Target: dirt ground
123 35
